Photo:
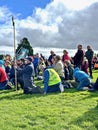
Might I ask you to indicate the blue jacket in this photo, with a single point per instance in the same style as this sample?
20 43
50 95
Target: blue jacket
36 61
79 75
28 73
12 72
50 57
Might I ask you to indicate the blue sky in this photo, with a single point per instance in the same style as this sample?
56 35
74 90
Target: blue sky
24 7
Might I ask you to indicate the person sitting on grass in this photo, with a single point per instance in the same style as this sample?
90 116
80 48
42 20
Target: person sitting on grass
2 64
52 81
95 86
7 67
84 66
83 79
41 68
52 54
70 69
3 80
59 67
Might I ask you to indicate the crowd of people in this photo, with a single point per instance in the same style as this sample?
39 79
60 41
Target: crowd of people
56 71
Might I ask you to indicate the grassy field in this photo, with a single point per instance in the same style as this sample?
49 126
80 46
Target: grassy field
71 110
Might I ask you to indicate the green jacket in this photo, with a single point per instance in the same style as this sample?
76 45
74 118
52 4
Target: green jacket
89 54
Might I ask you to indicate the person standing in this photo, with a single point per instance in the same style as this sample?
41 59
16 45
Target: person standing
36 63
79 56
89 55
66 56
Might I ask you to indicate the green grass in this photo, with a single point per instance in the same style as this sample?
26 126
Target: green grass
71 110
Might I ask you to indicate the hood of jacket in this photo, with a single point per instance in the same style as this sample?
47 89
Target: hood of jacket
76 69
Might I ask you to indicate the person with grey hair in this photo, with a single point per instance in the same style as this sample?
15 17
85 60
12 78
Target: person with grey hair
59 67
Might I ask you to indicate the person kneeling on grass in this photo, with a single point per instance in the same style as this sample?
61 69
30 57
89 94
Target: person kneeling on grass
83 79
52 81
28 73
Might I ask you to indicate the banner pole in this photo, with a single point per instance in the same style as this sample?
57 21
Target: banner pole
13 23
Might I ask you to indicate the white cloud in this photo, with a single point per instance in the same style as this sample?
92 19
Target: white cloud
75 4
60 24
4 11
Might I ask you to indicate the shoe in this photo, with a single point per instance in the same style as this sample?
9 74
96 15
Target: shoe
66 86
9 84
91 90
8 87
90 86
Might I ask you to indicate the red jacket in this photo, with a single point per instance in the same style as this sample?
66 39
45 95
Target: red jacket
3 75
66 57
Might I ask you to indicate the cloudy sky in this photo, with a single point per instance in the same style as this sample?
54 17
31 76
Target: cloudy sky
50 23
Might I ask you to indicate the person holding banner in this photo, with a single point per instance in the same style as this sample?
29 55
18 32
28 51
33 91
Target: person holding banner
28 73
28 76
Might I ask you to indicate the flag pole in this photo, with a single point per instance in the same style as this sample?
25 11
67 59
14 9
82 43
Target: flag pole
13 23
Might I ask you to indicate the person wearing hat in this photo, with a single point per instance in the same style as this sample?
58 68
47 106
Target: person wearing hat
28 74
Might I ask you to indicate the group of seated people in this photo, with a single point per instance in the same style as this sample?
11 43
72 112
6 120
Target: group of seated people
56 73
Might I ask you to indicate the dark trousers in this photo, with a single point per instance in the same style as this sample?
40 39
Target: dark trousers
3 85
53 88
36 70
90 67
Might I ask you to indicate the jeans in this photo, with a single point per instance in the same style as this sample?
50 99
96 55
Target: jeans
3 85
84 83
36 70
90 67
53 88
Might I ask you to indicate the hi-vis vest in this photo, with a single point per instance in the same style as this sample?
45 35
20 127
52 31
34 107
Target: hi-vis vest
53 77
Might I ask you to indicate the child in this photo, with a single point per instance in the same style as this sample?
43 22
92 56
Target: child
84 66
